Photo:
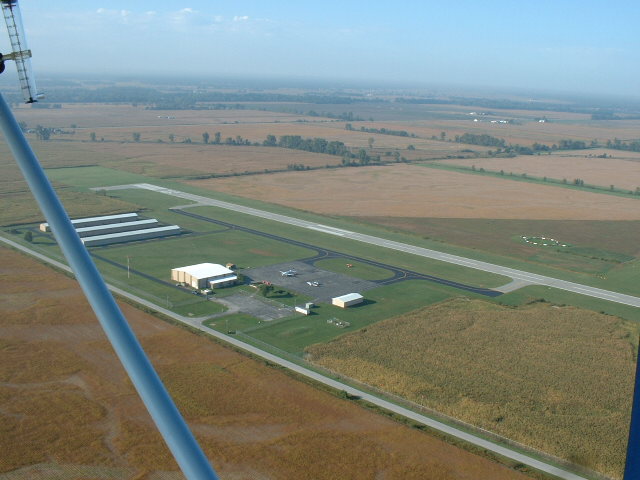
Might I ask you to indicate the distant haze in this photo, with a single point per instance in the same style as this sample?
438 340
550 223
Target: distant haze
572 46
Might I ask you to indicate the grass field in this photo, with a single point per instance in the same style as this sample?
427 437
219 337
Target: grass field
293 335
597 246
560 379
354 268
67 409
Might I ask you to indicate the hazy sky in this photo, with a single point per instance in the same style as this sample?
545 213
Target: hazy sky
567 45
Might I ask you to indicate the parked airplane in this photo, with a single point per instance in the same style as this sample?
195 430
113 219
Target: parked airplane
313 284
288 273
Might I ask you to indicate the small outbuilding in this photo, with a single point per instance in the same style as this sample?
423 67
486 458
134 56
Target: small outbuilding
347 300
204 275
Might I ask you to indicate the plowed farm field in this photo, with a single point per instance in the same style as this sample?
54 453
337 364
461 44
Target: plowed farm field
67 409
414 191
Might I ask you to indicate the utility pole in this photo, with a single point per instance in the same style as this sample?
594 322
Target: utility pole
128 268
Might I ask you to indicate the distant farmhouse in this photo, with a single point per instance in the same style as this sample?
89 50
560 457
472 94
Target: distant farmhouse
204 275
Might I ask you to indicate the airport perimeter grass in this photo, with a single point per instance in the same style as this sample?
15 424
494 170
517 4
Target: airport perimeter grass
296 333
236 322
363 250
609 242
555 296
354 268
157 258
556 378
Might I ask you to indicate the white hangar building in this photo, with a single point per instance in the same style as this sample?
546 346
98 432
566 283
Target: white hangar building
204 275
347 300
92 221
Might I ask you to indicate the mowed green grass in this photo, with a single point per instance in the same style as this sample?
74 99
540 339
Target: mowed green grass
555 296
244 249
233 322
356 269
177 300
503 235
363 250
298 332
557 378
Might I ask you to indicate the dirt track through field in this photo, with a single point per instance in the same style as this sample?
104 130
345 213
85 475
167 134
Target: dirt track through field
414 191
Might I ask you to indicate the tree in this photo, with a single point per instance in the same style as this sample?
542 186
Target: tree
172 137
92 136
28 236
265 290
216 138
271 141
205 137
442 135
363 157
23 126
136 136
370 141
43 133
411 147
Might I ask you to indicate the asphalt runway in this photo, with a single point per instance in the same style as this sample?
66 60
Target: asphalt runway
526 277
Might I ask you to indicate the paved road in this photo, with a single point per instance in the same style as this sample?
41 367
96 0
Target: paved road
520 275
455 432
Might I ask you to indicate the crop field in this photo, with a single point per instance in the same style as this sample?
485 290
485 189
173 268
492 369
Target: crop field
621 169
527 132
66 407
414 191
85 116
178 160
20 208
557 378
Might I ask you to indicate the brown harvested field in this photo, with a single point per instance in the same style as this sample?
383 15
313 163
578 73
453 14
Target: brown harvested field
172 160
21 208
86 116
621 169
556 378
67 407
414 191
526 132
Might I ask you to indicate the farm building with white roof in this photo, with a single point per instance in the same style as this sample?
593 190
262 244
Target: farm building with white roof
204 275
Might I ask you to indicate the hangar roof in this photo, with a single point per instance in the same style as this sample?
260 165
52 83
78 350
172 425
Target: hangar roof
349 297
205 270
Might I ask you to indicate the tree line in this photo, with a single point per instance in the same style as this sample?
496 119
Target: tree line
383 131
